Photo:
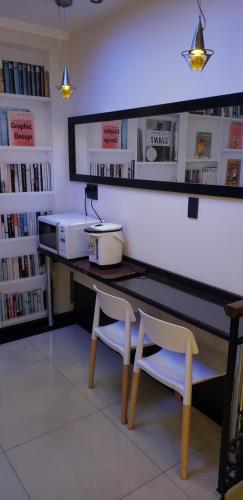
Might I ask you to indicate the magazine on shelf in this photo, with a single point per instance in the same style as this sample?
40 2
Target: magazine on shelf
233 173
158 139
20 128
203 145
236 136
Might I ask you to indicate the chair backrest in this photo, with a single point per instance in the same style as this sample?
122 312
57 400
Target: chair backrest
115 307
167 335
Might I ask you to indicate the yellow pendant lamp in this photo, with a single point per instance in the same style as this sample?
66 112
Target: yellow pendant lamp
197 57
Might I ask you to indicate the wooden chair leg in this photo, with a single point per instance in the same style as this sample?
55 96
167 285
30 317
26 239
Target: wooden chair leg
185 438
92 363
134 397
124 402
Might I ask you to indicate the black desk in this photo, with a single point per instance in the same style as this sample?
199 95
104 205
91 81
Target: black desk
195 303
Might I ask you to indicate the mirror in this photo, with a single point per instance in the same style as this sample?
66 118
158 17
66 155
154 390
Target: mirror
191 146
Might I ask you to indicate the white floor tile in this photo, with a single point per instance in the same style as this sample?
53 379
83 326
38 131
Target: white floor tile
37 400
108 375
15 356
203 474
157 428
10 486
89 460
160 488
62 346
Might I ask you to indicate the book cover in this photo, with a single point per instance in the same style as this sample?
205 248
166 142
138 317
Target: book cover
203 145
20 128
158 139
111 135
236 136
233 173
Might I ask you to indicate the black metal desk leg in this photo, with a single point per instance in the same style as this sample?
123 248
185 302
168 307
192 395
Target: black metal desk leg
48 261
223 479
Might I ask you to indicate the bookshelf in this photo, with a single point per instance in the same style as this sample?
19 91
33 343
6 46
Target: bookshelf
26 190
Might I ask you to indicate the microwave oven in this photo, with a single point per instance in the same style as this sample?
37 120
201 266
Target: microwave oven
63 234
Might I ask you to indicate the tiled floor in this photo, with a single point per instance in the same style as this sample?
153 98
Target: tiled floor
61 441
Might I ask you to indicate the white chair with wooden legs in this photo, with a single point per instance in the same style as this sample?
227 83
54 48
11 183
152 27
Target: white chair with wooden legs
121 336
173 366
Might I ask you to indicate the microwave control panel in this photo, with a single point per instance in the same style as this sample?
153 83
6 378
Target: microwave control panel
62 241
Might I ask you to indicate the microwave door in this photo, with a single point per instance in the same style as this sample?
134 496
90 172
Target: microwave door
48 237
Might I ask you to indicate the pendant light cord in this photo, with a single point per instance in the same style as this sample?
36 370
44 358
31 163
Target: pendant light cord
201 13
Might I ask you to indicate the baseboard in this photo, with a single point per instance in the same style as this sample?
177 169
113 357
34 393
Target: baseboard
24 330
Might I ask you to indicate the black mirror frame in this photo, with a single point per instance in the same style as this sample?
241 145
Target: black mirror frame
175 107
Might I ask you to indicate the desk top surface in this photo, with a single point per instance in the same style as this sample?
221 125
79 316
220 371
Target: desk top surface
199 310
191 301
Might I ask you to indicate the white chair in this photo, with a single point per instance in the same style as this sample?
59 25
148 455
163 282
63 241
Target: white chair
122 336
174 367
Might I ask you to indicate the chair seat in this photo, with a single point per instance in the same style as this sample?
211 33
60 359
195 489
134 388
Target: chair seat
113 336
169 368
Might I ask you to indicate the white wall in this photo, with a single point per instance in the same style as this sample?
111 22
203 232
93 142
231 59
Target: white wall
133 59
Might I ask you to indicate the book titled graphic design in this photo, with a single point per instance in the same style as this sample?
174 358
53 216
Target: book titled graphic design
20 128
203 145
111 135
233 173
236 136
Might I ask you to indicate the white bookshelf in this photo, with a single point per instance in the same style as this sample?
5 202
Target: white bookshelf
30 201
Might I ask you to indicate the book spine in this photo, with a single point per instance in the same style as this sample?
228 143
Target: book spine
11 77
6 78
16 77
21 83
38 80
25 79
29 81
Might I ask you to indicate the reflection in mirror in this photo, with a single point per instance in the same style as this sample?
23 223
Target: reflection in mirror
199 147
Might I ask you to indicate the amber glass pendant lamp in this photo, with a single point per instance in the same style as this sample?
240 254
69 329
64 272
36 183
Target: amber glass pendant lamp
197 57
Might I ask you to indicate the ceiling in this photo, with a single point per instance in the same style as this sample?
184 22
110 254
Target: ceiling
45 12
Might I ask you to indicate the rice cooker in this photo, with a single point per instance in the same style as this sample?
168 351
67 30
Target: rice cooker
105 243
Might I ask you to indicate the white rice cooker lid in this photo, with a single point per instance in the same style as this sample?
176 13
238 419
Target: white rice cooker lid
103 227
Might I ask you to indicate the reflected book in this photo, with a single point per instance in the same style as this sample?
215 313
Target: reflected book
233 173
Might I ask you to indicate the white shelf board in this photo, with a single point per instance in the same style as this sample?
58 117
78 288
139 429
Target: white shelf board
156 163
231 150
24 284
19 238
206 160
27 193
110 150
22 97
23 319
25 148
211 117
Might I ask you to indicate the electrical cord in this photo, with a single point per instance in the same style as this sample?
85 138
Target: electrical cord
91 203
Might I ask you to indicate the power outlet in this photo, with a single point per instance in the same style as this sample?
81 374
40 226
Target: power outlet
92 191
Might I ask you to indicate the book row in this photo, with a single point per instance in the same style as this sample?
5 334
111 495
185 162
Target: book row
206 175
124 170
23 266
23 177
23 78
227 111
19 224
16 127
21 304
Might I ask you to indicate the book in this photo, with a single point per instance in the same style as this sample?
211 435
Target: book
233 173
1 81
236 136
203 145
158 139
111 135
20 128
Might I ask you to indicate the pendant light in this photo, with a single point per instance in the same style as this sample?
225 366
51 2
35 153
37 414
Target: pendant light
197 57
65 89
